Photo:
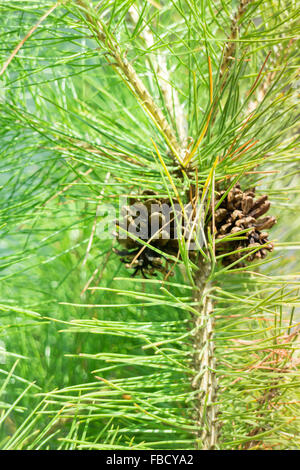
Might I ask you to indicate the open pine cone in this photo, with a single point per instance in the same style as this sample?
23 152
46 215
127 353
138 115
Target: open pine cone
240 210
163 229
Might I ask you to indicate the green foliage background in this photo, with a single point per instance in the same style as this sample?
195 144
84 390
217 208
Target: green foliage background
111 367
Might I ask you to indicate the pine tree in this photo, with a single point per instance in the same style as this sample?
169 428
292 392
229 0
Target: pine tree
132 342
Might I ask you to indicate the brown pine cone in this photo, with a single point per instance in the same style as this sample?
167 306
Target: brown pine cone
238 211
150 219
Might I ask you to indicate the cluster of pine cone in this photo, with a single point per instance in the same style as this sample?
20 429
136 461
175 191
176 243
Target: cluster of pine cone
237 211
240 210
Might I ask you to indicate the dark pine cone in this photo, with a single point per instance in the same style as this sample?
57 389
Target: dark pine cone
138 218
238 211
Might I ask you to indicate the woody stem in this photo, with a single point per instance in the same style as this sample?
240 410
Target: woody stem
204 381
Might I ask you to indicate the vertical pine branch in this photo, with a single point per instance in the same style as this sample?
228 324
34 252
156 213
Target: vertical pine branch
230 46
204 381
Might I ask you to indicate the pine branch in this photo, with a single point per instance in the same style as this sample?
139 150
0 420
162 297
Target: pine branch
205 381
132 78
230 46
